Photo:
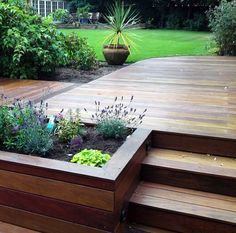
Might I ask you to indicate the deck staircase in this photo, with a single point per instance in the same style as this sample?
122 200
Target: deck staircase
185 192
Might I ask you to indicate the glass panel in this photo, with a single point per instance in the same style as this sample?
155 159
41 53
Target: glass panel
42 8
48 7
54 6
35 5
60 5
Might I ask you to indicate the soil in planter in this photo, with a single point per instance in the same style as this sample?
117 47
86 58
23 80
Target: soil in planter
91 140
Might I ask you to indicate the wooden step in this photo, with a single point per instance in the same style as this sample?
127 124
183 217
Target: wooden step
136 228
9 228
202 172
182 210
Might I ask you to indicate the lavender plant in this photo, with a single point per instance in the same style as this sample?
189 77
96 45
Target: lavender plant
24 127
115 120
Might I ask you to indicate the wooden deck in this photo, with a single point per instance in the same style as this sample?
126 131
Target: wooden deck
192 95
184 170
32 89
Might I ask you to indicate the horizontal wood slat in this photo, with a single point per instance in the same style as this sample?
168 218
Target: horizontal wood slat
42 223
58 209
190 170
195 144
9 228
174 221
78 194
56 170
182 210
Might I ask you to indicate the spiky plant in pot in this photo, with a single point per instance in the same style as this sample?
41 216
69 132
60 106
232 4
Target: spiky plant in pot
120 40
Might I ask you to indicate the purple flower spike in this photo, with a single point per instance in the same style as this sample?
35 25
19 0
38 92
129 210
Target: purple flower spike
15 129
76 142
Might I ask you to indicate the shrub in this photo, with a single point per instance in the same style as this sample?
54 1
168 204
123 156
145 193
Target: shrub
113 120
34 139
30 45
175 20
93 158
197 23
80 55
113 128
60 14
24 128
223 25
69 127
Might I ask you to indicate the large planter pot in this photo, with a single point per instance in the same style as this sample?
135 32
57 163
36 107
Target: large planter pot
116 55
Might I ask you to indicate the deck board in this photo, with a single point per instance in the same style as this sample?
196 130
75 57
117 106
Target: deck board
31 89
212 206
9 228
192 95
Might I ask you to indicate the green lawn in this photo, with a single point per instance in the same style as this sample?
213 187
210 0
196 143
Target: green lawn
153 43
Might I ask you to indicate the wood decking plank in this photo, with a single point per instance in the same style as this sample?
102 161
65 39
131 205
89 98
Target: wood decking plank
195 162
9 228
186 201
183 95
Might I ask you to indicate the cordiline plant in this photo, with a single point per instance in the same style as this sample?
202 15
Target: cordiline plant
120 19
115 120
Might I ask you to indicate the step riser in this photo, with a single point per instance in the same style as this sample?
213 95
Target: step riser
176 221
185 179
196 144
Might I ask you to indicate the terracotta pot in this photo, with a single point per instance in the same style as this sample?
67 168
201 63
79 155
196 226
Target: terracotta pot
116 55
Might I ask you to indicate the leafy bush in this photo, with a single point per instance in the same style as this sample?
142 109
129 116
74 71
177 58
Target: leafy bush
197 23
80 55
223 25
30 45
93 158
34 139
60 14
24 128
175 20
113 128
69 127
113 120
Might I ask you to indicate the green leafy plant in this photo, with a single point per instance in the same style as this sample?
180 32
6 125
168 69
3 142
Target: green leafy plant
31 45
69 126
115 120
113 128
83 11
80 55
223 25
60 14
94 158
120 19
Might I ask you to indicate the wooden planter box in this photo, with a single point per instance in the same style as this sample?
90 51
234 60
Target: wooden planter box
59 197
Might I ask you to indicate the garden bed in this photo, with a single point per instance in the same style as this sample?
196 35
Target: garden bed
91 139
81 76
56 196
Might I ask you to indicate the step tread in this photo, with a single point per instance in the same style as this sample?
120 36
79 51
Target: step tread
147 229
186 201
193 162
9 228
